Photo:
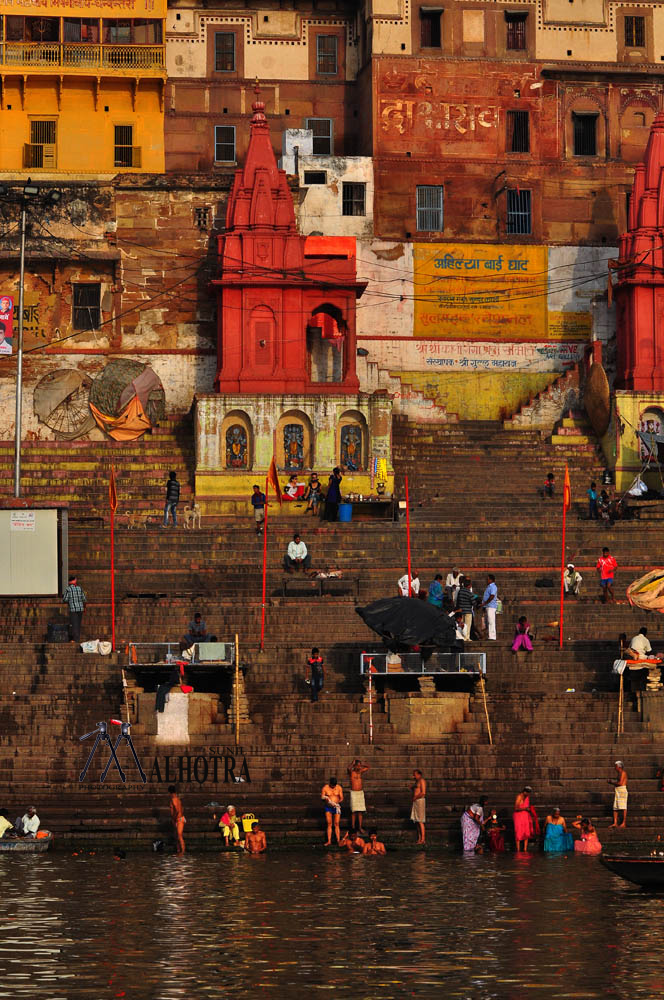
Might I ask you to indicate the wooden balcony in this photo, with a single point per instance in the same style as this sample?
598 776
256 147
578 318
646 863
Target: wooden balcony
80 57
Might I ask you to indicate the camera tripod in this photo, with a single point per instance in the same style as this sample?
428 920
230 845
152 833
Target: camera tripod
124 735
102 736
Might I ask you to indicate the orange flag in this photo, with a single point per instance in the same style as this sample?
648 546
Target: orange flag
112 493
567 491
273 478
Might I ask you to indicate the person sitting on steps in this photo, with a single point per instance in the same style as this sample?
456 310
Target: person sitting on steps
297 556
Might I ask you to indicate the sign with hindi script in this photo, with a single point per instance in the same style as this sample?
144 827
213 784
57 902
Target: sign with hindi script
480 291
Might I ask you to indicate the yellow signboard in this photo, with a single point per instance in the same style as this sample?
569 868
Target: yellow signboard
479 291
570 325
85 8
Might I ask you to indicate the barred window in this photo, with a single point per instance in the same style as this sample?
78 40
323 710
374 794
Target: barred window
429 208
519 215
518 132
322 130
124 143
86 313
326 54
516 31
635 31
224 143
353 199
224 51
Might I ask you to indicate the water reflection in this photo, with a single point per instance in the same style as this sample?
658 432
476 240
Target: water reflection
169 928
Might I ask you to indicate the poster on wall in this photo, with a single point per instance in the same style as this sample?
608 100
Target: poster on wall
479 291
6 324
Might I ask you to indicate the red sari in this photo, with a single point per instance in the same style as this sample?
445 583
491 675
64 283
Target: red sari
526 824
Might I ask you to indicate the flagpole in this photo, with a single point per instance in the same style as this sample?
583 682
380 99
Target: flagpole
267 481
566 503
113 504
410 592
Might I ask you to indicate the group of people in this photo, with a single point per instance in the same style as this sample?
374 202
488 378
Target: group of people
25 826
475 616
254 840
332 796
312 492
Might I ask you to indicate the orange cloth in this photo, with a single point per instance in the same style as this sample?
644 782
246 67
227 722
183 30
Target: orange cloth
131 423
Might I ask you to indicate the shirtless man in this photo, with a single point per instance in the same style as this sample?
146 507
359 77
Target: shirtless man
418 813
374 845
255 842
357 804
177 818
353 842
619 796
332 795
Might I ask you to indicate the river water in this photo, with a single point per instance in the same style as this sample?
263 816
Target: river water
313 923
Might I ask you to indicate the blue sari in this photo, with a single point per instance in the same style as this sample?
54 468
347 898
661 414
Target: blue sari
557 840
436 594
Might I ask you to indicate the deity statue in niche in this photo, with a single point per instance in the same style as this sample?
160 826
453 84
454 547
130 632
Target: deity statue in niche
236 447
294 446
351 447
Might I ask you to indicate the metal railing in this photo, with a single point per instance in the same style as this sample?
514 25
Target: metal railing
146 654
79 55
412 663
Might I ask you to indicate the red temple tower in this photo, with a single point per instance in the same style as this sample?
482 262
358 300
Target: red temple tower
640 285
286 302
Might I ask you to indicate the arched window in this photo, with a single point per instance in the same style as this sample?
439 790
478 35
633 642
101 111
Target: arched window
293 446
326 332
237 447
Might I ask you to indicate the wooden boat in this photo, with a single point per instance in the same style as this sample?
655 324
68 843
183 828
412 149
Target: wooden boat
646 871
16 845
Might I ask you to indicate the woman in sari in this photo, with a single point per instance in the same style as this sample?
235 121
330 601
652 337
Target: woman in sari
471 826
522 638
556 837
589 842
525 819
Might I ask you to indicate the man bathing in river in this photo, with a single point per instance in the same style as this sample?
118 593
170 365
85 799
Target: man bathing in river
357 803
620 796
332 795
352 842
177 818
374 845
418 813
255 842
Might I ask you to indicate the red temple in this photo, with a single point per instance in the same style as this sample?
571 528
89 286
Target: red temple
286 303
640 286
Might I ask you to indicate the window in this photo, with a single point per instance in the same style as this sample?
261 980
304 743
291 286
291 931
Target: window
81 29
40 152
519 217
429 208
430 35
326 54
126 154
87 306
516 31
224 143
224 51
352 199
518 132
635 31
585 135
322 130
202 217
315 177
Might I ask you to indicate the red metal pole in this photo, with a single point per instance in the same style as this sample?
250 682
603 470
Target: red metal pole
264 563
410 591
113 578
562 571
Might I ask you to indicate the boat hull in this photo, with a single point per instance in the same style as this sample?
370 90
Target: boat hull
26 846
646 871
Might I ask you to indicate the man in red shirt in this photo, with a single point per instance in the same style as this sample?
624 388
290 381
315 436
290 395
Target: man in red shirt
606 567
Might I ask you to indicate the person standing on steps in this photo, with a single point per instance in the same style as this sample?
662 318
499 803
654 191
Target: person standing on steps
258 501
436 591
357 803
418 812
75 597
177 818
592 495
332 795
172 499
333 496
466 601
490 605
315 673
606 568
620 796
452 586
402 584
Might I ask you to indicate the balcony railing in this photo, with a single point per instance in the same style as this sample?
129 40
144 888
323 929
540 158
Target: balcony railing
79 55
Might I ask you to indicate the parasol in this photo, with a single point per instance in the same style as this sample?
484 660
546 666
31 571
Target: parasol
60 401
648 591
408 621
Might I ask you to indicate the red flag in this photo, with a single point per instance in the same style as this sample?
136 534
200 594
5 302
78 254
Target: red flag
112 493
567 491
273 478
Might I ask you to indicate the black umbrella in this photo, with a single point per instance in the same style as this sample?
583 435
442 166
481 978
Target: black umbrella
407 621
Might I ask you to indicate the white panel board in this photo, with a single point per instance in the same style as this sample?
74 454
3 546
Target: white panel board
28 552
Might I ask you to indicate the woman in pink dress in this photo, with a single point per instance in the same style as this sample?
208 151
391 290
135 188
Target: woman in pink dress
522 638
525 820
589 842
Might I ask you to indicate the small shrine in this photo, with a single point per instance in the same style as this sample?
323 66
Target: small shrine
638 417
286 382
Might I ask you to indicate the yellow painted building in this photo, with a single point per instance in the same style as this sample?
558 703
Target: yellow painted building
81 87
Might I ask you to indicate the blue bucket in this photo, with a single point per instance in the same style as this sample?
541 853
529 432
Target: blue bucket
345 512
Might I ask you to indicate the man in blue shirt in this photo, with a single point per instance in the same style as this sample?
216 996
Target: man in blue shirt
490 605
436 591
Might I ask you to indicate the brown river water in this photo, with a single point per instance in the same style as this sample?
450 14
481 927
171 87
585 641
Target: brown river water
315 923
